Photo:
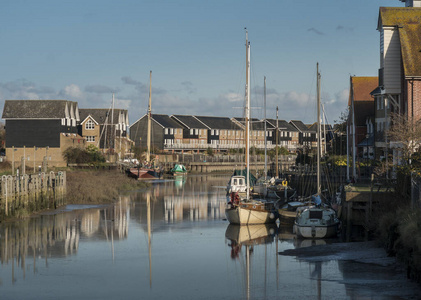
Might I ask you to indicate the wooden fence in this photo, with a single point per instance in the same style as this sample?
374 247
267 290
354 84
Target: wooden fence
30 193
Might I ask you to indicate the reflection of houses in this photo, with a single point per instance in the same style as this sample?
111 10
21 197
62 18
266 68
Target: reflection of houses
38 130
165 131
106 129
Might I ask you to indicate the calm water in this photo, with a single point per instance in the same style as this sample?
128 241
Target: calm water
172 242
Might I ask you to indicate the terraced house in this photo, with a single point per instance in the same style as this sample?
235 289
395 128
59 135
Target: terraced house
39 131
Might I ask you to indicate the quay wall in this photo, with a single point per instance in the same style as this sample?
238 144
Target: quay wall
23 194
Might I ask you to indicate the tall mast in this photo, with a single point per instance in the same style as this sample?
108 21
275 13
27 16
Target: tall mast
266 159
112 139
318 131
248 113
148 152
276 144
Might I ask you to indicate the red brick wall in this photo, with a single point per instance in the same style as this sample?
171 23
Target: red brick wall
413 92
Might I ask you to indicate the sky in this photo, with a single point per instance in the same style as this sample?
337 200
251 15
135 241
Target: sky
85 51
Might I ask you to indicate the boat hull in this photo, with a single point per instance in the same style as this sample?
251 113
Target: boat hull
144 173
316 232
287 217
246 214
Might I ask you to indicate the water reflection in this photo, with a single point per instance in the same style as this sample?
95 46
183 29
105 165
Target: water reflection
168 241
52 235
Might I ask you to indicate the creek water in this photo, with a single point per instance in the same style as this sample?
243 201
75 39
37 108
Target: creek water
172 241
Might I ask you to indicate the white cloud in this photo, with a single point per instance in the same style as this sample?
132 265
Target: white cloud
72 91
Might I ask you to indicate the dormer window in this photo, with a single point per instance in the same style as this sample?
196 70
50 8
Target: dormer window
89 125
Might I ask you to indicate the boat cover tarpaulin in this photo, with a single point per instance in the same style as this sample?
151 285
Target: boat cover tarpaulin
179 169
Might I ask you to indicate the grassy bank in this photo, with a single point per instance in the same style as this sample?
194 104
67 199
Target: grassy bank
85 187
399 228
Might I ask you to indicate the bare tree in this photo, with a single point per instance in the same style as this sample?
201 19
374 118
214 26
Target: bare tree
404 134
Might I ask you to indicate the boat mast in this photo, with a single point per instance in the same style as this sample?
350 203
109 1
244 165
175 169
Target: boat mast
276 144
148 151
318 132
248 113
112 139
266 159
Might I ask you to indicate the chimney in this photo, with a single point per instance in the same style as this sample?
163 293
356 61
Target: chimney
412 3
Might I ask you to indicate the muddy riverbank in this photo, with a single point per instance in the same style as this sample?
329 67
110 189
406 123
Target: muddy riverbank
361 257
87 186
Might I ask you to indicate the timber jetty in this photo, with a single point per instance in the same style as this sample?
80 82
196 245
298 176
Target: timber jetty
23 194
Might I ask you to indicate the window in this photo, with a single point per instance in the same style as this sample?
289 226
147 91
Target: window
171 131
191 131
196 131
89 125
90 138
212 132
166 130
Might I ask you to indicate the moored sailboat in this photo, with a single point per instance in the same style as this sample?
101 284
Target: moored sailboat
246 210
317 221
149 169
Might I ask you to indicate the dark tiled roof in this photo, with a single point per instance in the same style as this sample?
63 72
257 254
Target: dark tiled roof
100 114
218 122
300 125
282 124
189 121
36 109
255 124
165 121
328 127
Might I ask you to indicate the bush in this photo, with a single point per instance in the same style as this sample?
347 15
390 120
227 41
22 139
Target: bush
81 156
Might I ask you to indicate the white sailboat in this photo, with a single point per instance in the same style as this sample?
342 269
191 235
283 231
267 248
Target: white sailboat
246 210
317 221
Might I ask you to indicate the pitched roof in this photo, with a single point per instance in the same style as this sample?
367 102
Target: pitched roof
300 125
398 16
165 121
410 38
255 124
218 122
100 114
282 125
189 121
362 86
37 109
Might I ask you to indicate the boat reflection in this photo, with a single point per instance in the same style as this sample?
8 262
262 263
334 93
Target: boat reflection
249 236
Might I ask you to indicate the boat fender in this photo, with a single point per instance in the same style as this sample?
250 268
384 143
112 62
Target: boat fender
284 183
272 216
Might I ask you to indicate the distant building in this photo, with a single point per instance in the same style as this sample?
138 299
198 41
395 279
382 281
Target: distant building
38 130
108 135
165 131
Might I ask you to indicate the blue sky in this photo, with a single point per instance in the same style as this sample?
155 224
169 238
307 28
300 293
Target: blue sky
86 50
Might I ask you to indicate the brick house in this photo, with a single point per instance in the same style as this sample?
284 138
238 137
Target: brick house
361 113
99 130
40 130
